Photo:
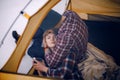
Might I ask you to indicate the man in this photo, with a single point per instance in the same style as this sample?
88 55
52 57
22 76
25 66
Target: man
72 36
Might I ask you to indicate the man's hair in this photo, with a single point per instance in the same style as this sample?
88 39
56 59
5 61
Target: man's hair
51 20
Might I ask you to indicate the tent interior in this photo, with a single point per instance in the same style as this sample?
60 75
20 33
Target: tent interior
102 18
104 35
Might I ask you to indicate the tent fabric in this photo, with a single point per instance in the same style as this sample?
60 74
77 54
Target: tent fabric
103 7
97 17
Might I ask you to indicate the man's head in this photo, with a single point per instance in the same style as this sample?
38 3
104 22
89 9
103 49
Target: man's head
51 20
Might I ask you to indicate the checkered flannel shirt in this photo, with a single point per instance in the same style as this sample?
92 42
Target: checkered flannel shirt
72 35
67 70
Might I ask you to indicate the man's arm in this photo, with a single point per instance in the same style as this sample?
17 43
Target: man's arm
66 68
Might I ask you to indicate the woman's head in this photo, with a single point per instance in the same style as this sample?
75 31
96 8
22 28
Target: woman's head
49 39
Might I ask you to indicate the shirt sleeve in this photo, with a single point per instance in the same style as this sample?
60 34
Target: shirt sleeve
61 50
66 68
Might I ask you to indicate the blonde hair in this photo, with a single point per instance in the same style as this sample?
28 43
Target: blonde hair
49 31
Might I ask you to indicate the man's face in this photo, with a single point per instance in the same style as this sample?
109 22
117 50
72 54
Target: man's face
50 40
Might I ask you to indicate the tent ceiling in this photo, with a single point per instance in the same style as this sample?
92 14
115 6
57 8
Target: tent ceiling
103 7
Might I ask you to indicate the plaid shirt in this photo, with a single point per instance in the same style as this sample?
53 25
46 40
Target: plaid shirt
67 70
72 36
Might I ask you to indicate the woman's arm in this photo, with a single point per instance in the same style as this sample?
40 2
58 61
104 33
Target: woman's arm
66 67
40 66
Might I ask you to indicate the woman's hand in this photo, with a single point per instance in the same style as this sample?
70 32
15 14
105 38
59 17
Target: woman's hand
40 66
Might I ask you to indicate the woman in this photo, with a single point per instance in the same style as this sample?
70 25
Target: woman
68 68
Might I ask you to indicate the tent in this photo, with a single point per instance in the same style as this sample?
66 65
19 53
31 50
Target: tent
107 7
103 20
100 16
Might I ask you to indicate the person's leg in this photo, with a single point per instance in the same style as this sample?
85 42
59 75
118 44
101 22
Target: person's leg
15 36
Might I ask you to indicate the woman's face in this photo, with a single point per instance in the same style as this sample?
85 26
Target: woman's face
50 40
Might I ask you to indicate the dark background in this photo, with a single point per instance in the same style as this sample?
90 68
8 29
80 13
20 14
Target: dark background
106 36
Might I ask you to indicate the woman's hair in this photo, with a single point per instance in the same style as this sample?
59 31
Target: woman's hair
53 30
47 32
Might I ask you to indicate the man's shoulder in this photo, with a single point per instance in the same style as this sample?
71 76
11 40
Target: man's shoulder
70 13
